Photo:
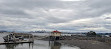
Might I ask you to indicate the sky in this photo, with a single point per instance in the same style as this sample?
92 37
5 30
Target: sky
62 15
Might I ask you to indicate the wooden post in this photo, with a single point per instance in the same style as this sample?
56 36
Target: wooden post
29 37
8 38
54 38
33 37
14 38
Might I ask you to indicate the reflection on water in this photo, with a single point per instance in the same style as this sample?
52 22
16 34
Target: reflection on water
55 45
10 46
38 44
14 46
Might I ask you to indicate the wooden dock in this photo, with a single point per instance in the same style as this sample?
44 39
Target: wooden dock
16 42
29 38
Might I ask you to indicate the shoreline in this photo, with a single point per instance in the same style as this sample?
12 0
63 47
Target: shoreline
86 44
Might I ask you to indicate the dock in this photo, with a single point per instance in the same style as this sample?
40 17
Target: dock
28 38
16 42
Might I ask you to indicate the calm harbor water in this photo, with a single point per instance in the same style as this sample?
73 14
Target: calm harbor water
38 44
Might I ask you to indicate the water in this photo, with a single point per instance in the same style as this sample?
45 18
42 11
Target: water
38 44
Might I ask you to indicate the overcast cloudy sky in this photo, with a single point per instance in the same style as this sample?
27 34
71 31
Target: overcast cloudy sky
63 15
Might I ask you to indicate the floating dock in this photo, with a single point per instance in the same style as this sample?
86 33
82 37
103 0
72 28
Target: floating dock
16 42
28 38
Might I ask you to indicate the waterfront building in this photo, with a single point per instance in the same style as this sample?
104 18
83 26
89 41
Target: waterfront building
55 33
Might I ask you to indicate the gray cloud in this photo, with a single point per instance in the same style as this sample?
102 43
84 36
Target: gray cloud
26 15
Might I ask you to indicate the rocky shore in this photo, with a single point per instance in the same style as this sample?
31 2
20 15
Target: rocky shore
86 44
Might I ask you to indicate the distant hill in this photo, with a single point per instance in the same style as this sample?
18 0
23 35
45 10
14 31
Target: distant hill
2 31
104 33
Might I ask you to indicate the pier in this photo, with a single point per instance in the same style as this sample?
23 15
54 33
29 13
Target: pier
15 42
27 38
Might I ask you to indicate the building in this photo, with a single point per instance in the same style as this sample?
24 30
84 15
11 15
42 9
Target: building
55 33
